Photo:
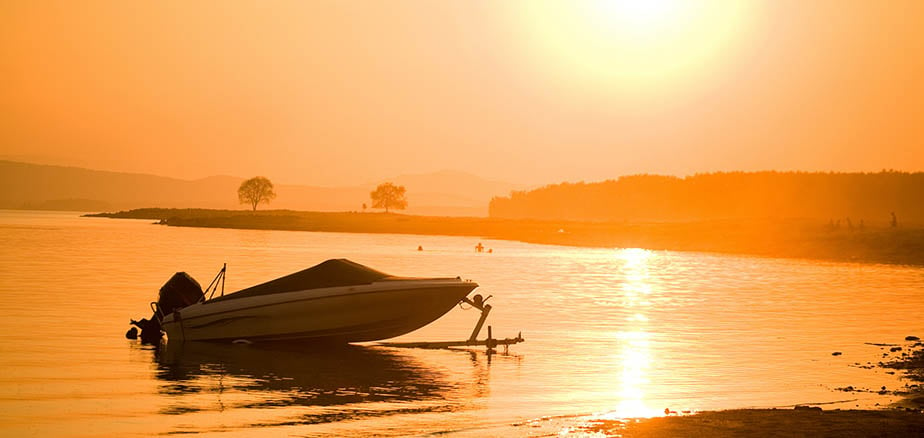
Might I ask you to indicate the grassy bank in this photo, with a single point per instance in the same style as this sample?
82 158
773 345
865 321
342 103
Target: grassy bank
772 238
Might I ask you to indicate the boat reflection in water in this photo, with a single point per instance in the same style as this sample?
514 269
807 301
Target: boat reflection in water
228 386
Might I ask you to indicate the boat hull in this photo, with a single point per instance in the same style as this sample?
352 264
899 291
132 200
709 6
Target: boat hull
380 310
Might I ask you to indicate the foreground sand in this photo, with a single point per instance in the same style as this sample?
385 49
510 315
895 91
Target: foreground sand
768 423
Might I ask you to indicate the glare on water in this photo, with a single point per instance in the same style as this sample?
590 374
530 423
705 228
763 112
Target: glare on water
609 332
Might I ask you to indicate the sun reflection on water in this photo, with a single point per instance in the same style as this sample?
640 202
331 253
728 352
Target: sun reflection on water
634 354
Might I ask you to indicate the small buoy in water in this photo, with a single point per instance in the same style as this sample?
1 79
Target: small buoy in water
420 248
132 333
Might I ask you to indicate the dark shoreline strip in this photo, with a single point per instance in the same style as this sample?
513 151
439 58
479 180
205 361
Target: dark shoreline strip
804 239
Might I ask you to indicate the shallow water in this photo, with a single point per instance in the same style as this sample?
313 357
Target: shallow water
610 332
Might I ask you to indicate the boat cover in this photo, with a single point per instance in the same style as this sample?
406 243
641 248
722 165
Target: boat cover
332 273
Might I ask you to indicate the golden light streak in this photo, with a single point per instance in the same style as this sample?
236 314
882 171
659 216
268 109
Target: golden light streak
634 358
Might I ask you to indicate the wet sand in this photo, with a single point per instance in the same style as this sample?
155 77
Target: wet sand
767 423
905 358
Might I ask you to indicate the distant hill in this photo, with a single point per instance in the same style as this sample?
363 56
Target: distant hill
836 197
44 187
448 192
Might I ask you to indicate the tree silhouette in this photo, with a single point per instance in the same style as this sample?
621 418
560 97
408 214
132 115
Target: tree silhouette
389 196
725 195
256 190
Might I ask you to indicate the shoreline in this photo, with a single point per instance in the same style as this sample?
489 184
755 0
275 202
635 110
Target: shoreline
904 418
801 421
782 238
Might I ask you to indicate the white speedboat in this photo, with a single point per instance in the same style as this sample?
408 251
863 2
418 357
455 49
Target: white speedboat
335 301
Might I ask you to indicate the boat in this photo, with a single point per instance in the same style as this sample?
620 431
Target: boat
337 301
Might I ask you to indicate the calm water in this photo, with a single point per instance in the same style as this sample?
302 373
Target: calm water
610 332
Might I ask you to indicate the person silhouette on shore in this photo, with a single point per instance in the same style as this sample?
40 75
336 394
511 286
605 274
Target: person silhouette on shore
894 220
479 247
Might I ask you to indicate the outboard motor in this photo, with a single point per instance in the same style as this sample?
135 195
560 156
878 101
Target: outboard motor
178 292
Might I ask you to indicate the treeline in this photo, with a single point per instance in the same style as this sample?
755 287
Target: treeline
870 197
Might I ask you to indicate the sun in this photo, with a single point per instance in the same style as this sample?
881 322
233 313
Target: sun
638 19
629 44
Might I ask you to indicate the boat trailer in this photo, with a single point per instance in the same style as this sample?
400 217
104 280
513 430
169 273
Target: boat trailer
490 342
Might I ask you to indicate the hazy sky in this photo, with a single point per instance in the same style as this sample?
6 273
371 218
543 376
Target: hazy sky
340 92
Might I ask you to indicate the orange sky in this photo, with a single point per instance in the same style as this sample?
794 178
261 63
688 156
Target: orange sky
336 92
